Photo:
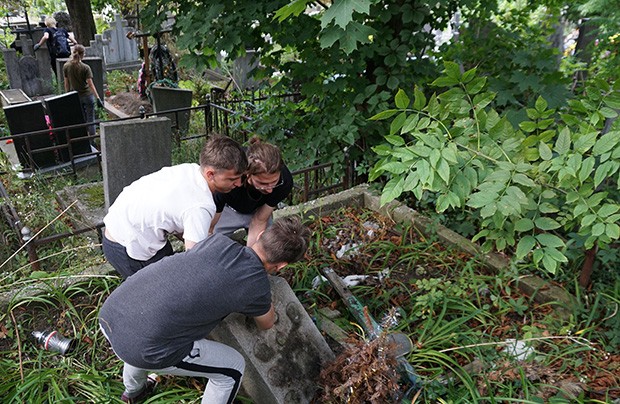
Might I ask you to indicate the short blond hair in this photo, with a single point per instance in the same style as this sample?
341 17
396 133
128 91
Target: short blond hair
50 22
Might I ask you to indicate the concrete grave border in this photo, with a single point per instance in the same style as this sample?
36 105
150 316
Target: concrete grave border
540 290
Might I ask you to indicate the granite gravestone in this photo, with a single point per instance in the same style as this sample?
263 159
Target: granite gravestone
30 117
66 110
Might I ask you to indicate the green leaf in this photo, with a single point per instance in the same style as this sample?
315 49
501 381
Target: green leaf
401 99
445 82
549 263
524 224
395 140
443 169
528 126
295 8
410 123
452 70
546 223
588 220
562 144
608 209
607 142
586 168
545 151
541 104
584 142
419 99
608 112
398 123
524 247
488 210
481 199
523 180
612 230
394 167
476 85
598 229
384 115
341 12
468 75
550 240
392 190
556 255
602 172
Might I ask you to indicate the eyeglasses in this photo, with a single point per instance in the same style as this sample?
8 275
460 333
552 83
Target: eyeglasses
265 187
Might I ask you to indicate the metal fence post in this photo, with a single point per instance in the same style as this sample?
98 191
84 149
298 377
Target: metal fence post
30 248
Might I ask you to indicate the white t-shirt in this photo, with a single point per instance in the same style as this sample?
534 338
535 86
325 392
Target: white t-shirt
174 199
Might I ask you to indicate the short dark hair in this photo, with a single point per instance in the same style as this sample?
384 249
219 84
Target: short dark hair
286 240
263 158
223 153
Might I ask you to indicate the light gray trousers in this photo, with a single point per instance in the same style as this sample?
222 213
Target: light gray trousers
221 364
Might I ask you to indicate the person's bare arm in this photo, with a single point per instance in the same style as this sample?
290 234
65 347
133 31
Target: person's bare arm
189 244
67 86
259 222
267 320
43 39
216 218
92 87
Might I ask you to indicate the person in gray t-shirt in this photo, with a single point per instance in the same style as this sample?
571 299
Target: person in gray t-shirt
158 319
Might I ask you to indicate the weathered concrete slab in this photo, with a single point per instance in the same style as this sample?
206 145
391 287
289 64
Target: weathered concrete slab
132 149
283 363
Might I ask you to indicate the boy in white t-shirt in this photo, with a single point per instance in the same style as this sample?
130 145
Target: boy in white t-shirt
174 200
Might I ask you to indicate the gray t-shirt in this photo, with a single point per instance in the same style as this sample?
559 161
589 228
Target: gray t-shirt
153 318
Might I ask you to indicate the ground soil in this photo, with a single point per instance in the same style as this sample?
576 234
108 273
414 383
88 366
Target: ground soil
130 103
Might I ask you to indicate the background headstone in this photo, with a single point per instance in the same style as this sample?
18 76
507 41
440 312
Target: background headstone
166 98
66 110
30 117
132 149
119 51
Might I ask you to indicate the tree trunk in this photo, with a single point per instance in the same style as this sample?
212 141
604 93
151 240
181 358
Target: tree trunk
583 49
82 20
588 266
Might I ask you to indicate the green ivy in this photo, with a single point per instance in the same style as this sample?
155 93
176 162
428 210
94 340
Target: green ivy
535 188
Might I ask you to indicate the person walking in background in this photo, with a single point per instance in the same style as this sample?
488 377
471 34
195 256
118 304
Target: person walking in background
267 182
79 77
158 320
174 200
57 39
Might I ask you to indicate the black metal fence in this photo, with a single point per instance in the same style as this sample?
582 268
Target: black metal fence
310 183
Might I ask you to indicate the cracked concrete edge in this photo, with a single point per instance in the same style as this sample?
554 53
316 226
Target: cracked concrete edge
537 288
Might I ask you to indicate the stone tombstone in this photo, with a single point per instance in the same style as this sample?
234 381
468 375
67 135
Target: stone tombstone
29 72
120 51
30 117
96 66
66 110
243 67
131 149
284 362
166 98
13 97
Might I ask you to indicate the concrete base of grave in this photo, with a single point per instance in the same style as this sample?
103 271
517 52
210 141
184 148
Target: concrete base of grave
361 196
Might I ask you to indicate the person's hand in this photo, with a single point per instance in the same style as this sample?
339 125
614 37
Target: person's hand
36 46
100 102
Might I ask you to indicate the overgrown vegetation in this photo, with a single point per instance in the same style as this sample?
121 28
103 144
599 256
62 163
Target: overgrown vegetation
464 320
533 191
460 317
